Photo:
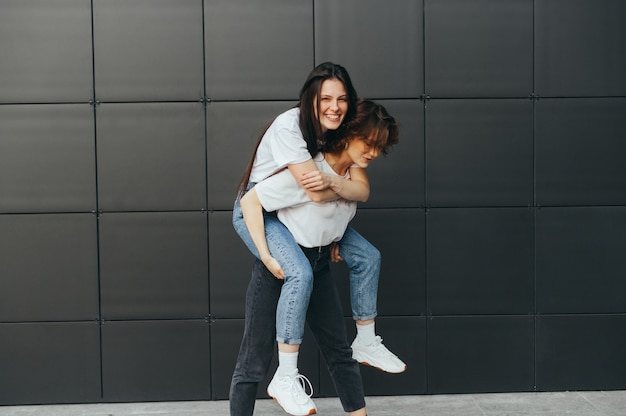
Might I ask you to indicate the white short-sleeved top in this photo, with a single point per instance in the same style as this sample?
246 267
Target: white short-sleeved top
311 223
281 145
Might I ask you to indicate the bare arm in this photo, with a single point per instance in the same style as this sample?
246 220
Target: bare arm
253 216
317 192
322 187
357 188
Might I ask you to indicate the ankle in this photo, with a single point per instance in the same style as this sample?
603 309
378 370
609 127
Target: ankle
287 363
366 334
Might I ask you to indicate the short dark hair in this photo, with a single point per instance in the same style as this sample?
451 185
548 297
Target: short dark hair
371 123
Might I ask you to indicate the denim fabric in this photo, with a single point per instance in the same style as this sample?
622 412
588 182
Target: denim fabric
298 283
325 319
362 258
258 342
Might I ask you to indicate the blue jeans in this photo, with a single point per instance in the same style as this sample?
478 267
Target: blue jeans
362 258
325 318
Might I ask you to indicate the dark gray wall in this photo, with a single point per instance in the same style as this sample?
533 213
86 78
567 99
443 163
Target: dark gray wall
501 215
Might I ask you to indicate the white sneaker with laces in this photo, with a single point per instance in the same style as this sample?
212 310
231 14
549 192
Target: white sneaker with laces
289 392
377 355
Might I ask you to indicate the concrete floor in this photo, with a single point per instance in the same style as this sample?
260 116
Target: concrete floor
612 403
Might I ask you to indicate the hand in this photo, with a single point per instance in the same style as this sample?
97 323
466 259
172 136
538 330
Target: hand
334 253
273 266
315 180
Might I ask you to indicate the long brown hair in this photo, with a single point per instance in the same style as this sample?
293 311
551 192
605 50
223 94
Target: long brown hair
308 102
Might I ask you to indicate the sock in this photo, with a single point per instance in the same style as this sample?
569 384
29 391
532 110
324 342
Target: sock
366 334
287 363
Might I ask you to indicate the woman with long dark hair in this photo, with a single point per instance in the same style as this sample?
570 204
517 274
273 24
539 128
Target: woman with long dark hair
327 100
316 226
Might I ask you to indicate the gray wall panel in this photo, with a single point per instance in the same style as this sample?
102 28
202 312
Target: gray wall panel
480 261
581 352
46 51
580 261
135 369
479 152
47 158
225 341
380 43
257 50
479 48
49 362
233 129
230 267
481 354
579 48
48 268
151 156
153 265
148 50
580 150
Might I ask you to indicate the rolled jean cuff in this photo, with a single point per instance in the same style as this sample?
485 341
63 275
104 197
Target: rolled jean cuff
282 340
364 317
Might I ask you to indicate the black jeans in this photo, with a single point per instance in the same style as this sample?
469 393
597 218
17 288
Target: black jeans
325 319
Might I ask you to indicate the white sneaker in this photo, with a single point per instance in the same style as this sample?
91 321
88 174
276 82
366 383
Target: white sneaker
289 392
377 355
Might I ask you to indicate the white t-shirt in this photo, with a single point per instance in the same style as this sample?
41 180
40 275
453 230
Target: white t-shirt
313 224
281 145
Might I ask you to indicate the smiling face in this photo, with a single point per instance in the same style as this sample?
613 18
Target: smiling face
360 152
332 104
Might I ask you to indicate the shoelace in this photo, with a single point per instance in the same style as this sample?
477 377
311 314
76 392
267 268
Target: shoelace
380 347
378 341
299 388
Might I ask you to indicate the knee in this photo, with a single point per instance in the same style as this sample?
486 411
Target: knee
338 354
373 255
301 278
296 274
237 220
252 373
376 254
